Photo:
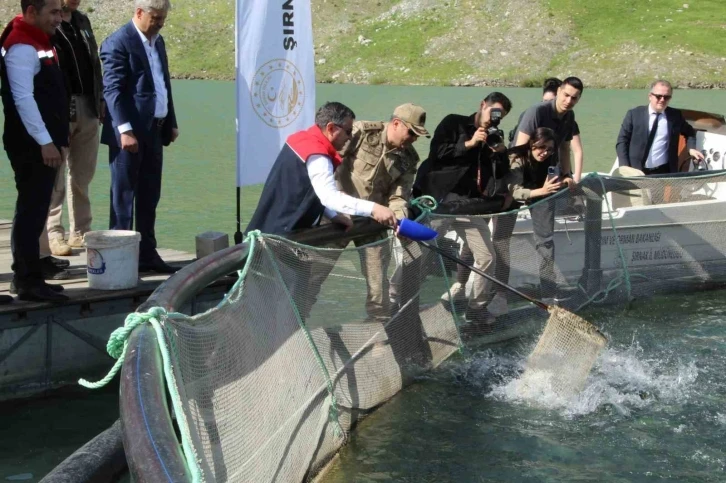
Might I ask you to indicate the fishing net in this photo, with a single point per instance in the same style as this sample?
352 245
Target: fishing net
563 357
269 384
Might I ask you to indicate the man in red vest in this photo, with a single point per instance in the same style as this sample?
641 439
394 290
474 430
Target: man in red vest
35 136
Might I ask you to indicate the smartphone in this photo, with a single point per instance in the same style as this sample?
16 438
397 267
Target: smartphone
553 172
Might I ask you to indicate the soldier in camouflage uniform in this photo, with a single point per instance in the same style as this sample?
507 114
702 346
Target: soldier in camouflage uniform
379 164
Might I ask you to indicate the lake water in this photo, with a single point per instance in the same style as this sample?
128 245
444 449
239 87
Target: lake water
652 410
459 424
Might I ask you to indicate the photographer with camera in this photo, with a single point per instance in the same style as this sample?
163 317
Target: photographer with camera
463 164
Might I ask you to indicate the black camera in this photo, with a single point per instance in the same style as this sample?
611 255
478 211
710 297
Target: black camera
495 136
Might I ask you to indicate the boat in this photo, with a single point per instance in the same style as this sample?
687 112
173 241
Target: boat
667 226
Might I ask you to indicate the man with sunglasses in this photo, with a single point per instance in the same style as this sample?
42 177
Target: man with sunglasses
648 138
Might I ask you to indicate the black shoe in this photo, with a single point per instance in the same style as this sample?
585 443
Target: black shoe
479 316
6 299
58 262
40 293
158 265
14 290
52 272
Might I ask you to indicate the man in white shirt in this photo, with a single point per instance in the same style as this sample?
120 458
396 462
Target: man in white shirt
649 135
301 187
35 135
139 121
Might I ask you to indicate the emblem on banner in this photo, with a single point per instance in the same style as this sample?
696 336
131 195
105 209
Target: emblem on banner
278 93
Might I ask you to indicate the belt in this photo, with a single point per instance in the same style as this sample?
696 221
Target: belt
660 169
159 121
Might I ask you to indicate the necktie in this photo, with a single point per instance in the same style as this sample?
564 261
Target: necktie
651 137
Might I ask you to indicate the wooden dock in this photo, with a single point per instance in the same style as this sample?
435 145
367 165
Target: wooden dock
77 286
44 345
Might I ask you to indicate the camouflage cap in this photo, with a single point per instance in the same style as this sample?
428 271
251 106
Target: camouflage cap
412 116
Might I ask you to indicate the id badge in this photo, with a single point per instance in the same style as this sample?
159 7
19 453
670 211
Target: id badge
73 114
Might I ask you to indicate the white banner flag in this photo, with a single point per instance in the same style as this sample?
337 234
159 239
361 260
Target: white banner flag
275 81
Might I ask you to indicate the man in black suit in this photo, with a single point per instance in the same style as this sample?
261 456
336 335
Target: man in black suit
139 121
648 138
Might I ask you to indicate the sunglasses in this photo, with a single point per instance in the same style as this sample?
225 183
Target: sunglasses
348 132
661 96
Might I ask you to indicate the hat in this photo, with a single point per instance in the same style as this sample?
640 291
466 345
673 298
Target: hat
412 116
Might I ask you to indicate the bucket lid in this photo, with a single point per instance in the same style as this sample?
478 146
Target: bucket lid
110 238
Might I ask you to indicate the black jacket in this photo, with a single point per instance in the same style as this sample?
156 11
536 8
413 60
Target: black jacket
65 54
451 168
633 137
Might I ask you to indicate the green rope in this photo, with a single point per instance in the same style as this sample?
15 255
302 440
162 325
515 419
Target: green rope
425 203
333 415
117 343
251 238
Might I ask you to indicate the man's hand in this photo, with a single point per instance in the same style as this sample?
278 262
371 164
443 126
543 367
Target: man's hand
570 183
174 134
129 142
343 219
51 156
480 136
695 153
384 215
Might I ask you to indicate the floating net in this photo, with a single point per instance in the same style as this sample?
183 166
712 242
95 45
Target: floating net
269 384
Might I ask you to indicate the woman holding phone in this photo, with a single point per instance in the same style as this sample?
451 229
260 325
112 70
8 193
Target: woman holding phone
530 180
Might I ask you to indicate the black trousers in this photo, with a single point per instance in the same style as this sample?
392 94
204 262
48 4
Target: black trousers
136 189
34 182
503 229
543 226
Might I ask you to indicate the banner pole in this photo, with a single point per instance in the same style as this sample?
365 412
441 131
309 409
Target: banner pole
238 233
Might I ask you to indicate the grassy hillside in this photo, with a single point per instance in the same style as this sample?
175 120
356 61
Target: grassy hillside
609 43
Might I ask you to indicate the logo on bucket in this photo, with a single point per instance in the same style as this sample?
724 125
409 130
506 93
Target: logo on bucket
96 265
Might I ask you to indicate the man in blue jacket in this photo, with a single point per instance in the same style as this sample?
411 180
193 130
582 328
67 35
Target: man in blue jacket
139 121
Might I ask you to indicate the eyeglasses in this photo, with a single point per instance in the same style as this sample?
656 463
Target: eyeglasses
546 149
661 96
412 133
348 132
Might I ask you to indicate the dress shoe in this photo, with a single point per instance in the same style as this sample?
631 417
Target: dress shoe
52 272
58 262
6 299
157 265
14 290
40 293
59 247
75 240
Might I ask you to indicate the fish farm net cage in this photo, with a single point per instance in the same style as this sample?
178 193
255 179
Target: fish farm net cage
268 384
